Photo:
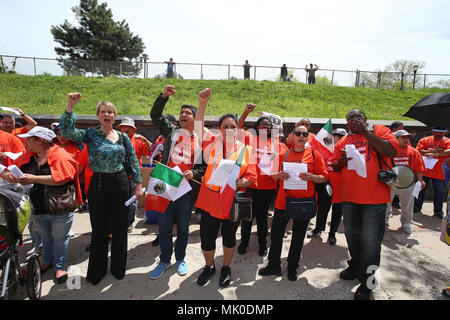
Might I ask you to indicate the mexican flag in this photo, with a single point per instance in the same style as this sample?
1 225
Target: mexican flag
323 141
162 188
227 193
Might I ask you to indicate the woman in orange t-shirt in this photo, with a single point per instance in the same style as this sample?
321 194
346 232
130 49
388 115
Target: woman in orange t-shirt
213 217
317 173
265 156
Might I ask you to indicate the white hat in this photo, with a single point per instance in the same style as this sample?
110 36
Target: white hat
127 122
39 132
401 133
340 132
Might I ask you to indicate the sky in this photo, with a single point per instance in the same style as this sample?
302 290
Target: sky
343 35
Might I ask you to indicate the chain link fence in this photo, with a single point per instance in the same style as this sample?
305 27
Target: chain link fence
148 69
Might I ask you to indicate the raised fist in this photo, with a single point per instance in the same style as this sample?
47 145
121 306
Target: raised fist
169 91
204 95
73 98
250 107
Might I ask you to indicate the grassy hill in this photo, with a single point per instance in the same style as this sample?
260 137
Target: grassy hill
47 94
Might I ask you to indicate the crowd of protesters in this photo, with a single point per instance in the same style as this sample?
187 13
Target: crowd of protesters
104 166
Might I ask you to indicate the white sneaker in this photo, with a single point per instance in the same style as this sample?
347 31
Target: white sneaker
406 228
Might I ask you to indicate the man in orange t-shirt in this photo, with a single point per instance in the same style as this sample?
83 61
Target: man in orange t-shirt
410 157
437 147
364 199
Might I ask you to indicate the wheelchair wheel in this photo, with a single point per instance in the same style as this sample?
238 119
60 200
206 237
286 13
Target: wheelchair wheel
34 280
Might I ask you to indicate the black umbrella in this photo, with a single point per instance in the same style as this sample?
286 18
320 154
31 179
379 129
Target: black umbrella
433 110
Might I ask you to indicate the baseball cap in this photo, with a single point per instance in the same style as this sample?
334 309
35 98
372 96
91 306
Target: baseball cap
39 132
127 122
439 129
340 132
401 133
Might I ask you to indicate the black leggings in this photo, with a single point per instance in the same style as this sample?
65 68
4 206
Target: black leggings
107 195
209 229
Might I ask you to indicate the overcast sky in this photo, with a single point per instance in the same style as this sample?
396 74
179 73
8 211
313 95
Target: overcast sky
346 34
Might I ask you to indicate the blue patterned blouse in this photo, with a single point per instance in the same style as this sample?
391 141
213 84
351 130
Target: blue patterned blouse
104 155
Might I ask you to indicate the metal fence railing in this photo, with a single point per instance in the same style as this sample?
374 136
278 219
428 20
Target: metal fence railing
208 71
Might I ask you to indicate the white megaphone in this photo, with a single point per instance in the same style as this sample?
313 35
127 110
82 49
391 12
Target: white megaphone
403 177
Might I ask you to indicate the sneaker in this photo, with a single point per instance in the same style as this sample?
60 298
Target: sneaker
406 228
182 268
268 271
363 293
292 275
440 215
159 270
242 249
332 240
347 274
313 233
225 277
206 275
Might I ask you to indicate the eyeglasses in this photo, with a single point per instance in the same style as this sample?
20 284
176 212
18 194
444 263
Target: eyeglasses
300 133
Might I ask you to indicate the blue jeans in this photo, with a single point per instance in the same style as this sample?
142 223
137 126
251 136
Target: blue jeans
178 211
438 195
364 231
34 234
54 231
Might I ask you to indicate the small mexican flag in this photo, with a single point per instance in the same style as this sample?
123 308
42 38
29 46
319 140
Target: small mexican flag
162 188
227 193
323 141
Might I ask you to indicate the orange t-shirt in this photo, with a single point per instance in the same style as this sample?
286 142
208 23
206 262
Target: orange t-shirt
409 157
209 200
63 167
183 152
140 148
428 143
263 151
83 160
20 130
10 143
316 165
72 149
368 190
335 181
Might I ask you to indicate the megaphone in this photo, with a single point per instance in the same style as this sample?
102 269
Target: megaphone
400 176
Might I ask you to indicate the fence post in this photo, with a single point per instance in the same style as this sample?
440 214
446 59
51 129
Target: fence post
34 63
254 74
3 66
332 78
379 79
145 67
120 68
201 72
357 74
424 80
229 72
401 81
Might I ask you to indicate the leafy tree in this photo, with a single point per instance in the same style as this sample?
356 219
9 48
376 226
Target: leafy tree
109 45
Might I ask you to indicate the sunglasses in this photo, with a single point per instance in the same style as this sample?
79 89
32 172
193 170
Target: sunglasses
299 133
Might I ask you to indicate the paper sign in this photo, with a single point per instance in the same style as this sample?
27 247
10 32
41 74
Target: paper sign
294 182
15 171
11 110
220 175
358 161
417 188
132 199
429 162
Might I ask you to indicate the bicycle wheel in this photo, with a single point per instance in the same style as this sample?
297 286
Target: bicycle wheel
34 280
13 280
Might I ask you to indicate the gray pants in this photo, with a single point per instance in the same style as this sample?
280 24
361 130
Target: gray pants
406 203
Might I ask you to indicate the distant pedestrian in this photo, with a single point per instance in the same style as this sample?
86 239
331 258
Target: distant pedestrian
284 73
311 73
247 70
170 68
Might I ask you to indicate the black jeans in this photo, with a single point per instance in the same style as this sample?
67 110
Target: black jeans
324 204
107 195
364 231
279 223
261 203
209 229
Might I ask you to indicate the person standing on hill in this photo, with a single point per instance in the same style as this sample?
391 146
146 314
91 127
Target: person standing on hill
311 73
170 68
247 70
284 72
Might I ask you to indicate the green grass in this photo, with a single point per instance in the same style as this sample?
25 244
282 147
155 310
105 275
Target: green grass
48 94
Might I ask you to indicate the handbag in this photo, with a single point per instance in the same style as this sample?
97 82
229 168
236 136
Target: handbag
301 208
60 199
241 209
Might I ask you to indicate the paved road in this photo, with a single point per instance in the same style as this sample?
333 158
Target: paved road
412 267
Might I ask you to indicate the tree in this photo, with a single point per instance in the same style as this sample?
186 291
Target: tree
110 45
391 76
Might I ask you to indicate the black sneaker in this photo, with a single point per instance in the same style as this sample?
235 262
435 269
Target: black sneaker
363 293
440 215
267 271
313 233
242 249
262 251
205 275
292 275
332 239
347 274
225 277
